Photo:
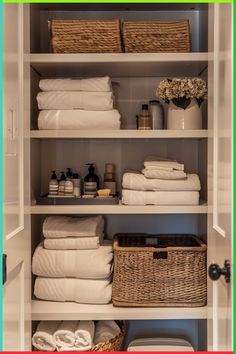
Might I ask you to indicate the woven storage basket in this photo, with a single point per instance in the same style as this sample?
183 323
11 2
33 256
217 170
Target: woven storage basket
86 36
156 36
172 273
112 345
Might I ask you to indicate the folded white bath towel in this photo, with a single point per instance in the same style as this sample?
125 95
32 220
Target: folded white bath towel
106 330
91 101
83 264
84 291
73 243
137 181
153 161
65 226
79 120
84 335
131 197
43 339
93 84
164 174
64 336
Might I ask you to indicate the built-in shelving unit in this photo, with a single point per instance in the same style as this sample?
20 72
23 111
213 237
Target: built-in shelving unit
119 134
47 310
120 64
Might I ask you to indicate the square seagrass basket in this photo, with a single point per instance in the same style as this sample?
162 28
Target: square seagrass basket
156 36
86 36
161 270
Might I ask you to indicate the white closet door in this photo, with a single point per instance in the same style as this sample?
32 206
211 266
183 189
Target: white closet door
220 231
16 219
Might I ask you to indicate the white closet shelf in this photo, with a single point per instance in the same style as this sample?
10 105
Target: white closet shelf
47 310
118 134
119 209
120 64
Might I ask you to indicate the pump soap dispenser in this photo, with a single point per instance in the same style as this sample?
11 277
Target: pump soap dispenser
53 184
91 181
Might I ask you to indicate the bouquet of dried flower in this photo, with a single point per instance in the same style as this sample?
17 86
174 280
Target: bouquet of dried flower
180 91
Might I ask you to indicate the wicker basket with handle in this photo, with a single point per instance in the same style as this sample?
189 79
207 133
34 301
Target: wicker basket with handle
112 345
162 271
86 36
156 36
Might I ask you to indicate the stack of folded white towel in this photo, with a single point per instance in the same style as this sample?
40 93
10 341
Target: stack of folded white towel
73 263
161 182
73 335
77 104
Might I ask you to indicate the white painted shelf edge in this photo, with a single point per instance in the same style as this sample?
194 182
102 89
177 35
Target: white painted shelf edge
119 134
119 209
47 310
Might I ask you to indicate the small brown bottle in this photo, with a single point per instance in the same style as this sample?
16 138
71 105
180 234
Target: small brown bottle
110 178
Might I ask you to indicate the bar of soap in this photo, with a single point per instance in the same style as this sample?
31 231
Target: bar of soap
104 192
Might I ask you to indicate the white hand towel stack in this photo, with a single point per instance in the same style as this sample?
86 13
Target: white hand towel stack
73 263
73 335
161 182
77 104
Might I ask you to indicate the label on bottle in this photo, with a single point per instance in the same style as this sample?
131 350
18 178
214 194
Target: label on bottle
90 188
111 186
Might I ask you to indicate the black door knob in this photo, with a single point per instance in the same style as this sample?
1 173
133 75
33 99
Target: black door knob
215 271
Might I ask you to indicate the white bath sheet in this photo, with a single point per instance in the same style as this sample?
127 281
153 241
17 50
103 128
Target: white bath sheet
83 291
66 226
105 330
130 197
73 243
93 84
79 120
152 161
163 174
64 336
43 339
91 101
84 264
84 335
137 181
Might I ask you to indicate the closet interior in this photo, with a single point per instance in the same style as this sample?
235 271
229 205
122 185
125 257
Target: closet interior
135 78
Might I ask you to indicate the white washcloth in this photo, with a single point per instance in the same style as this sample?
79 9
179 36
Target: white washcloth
93 84
137 181
79 120
73 243
152 161
91 101
64 336
130 197
84 264
84 291
43 339
164 174
106 330
65 226
84 335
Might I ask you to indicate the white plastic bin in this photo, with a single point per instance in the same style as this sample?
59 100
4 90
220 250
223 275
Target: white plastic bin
160 345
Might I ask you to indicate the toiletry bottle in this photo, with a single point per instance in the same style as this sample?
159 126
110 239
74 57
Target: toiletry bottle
144 120
91 181
68 182
53 184
110 178
76 185
157 116
61 188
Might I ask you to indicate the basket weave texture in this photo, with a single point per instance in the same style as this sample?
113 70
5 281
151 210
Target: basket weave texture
172 274
86 36
112 345
156 36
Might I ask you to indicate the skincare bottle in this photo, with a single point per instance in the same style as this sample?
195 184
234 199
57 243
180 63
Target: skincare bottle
68 182
61 188
91 181
144 119
110 178
53 184
76 185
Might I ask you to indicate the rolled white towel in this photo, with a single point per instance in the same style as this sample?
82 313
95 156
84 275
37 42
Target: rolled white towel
84 335
66 226
64 336
93 84
91 101
43 339
105 330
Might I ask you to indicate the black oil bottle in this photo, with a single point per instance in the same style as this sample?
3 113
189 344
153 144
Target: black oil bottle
91 181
